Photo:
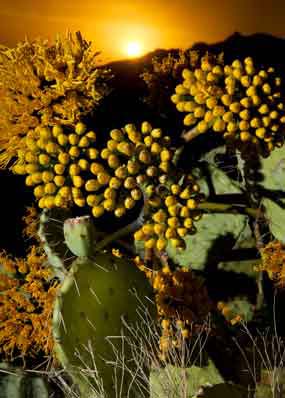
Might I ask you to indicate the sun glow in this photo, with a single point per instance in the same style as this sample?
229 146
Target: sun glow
133 49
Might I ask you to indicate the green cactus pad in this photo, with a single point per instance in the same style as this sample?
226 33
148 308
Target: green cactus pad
170 381
212 230
80 235
273 170
94 297
275 215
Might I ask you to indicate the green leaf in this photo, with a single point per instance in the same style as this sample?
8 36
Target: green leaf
276 218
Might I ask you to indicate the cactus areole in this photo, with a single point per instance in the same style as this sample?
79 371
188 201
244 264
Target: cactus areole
88 313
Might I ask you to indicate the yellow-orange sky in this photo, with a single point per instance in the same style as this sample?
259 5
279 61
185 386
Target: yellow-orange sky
111 24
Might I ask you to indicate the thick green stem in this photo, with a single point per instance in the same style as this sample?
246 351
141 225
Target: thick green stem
212 207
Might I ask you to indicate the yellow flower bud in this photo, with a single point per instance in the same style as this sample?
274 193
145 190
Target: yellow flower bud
47 176
92 185
91 135
115 183
244 125
113 161
121 172
80 202
246 102
49 202
93 200
146 127
84 142
73 139
159 229
175 189
260 132
263 109
218 111
245 114
219 125
165 166
109 204
103 178
120 212
63 158
150 243
266 88
39 191
273 114
80 128
77 181
83 164
161 244
130 183
159 217
41 203
74 151
170 233
30 168
245 81
98 211
189 119
129 202
57 130
37 177
245 136
74 169
235 107
44 159
111 145
65 192
173 222
29 181
50 188
59 180
96 168
45 133
237 73
208 116
62 139
188 223
156 133
59 168
93 153
189 106
136 194
117 135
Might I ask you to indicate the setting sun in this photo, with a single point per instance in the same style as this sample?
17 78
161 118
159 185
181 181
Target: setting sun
133 49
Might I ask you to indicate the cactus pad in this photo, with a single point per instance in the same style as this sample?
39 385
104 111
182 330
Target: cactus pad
94 297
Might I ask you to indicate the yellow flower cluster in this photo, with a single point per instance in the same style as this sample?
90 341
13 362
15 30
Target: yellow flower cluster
31 220
141 165
182 303
64 167
239 101
44 83
26 302
273 262
54 160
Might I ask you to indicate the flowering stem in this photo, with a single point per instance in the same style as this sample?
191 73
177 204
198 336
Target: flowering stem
213 207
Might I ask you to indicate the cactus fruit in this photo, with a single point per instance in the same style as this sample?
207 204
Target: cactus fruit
94 297
79 235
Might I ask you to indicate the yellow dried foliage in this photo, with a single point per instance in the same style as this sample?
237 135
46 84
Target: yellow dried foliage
182 304
273 262
26 304
44 83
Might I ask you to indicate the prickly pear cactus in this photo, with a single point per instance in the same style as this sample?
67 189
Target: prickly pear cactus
15 383
94 298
